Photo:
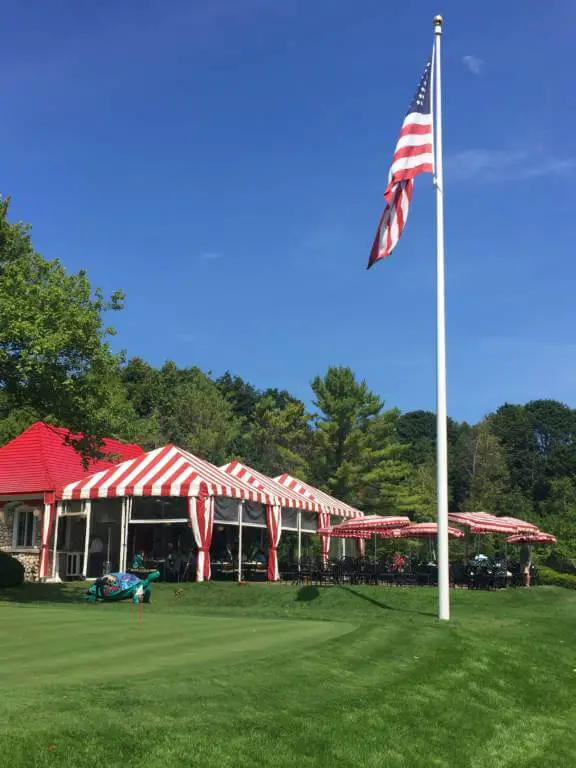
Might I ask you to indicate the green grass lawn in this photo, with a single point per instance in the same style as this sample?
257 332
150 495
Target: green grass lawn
270 675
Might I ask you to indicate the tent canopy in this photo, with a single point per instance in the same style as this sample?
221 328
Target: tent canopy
288 498
330 505
167 471
40 459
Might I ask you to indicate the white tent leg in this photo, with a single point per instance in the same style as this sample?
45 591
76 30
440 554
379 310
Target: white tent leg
299 540
55 574
239 542
88 518
126 513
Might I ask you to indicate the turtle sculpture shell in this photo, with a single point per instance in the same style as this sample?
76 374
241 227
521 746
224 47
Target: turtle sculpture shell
122 586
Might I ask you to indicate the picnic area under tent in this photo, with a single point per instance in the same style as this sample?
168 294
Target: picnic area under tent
162 503
183 515
303 513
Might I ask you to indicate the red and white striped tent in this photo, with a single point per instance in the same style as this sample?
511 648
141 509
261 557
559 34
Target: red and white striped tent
329 503
331 506
291 498
167 471
171 471
287 499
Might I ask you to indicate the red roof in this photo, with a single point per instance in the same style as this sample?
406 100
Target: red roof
40 460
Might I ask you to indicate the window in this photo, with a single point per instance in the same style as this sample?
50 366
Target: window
289 519
24 528
254 514
309 521
157 509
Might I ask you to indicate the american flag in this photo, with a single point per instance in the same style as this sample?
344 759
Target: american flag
413 155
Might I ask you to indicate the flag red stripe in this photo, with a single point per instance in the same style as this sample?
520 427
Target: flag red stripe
413 151
409 173
413 129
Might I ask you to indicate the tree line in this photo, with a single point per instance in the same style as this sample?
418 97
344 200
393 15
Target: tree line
56 364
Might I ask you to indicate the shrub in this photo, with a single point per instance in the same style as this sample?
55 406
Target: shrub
549 576
11 571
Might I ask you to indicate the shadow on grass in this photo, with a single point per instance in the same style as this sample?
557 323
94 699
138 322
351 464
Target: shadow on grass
44 593
385 606
307 594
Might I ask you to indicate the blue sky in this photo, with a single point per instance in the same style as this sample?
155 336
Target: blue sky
223 162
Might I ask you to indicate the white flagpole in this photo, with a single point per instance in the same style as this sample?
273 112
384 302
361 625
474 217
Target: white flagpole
441 411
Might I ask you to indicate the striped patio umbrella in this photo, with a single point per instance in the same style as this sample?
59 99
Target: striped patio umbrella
373 523
333 531
481 523
523 525
536 537
426 531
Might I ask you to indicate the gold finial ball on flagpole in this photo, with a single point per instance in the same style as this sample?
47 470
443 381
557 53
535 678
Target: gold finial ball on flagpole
438 21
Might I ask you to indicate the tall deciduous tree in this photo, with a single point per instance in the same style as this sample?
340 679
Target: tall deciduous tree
54 354
194 414
484 468
242 396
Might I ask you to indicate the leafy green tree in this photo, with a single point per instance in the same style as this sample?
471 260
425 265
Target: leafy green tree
13 421
511 425
142 384
539 441
417 429
55 360
346 406
421 483
359 458
194 414
242 396
557 515
383 476
279 437
484 465
553 428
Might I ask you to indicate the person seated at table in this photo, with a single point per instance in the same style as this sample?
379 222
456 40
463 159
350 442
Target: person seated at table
137 561
170 562
398 563
525 564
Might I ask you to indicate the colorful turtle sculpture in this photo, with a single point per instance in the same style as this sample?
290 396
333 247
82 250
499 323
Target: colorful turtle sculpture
122 586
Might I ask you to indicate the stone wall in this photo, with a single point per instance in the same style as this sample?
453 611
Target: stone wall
29 559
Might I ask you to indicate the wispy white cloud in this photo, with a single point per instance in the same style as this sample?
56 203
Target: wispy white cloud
473 64
507 164
210 256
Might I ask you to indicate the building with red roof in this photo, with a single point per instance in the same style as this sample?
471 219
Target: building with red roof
32 466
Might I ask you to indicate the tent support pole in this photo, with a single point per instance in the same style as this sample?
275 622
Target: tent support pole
88 518
55 550
240 543
299 540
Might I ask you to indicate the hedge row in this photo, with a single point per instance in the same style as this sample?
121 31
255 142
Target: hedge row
557 579
11 571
